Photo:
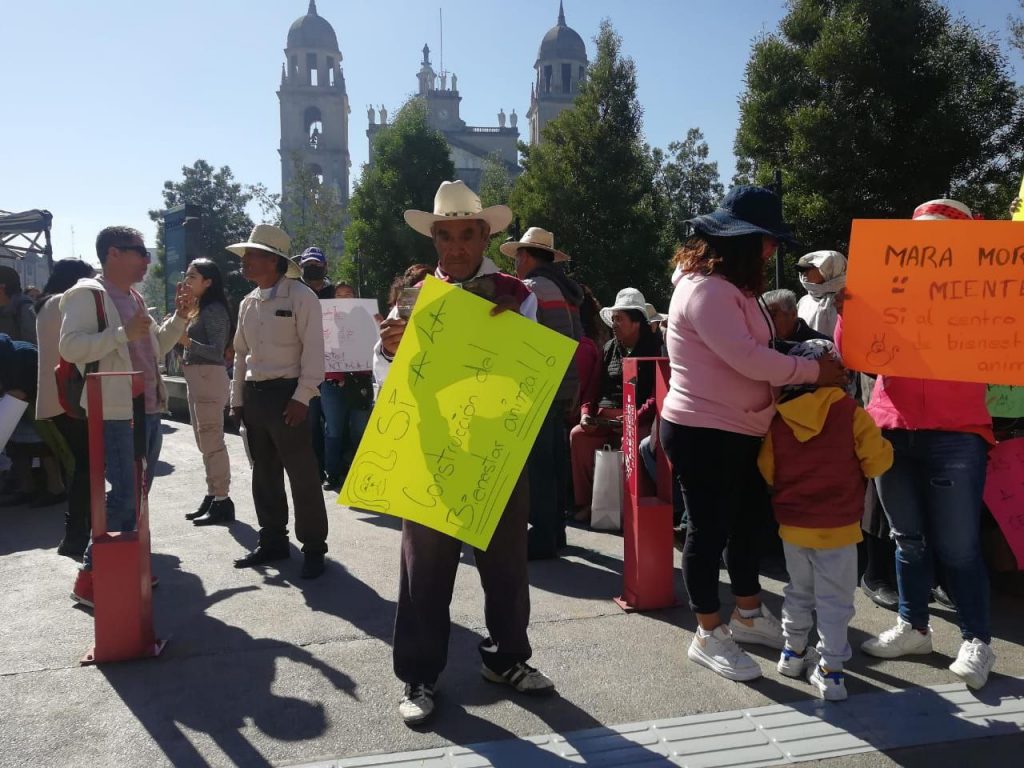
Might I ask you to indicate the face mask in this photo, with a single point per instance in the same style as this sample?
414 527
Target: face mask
313 273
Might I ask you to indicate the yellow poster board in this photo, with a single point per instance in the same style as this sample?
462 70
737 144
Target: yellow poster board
1018 215
457 415
936 300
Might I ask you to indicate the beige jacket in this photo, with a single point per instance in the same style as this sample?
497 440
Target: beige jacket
81 342
48 339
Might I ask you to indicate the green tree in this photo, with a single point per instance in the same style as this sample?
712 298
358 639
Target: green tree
689 182
592 182
223 203
871 108
409 161
1017 29
314 216
496 183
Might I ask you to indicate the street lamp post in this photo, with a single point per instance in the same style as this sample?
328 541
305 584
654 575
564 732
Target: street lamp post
780 254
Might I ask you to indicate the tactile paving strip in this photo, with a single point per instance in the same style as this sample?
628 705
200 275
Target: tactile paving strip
764 736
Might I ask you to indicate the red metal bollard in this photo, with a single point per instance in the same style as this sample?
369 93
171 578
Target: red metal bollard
648 570
121 574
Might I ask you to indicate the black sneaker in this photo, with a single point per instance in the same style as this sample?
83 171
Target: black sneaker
218 513
207 500
313 565
883 595
941 596
521 676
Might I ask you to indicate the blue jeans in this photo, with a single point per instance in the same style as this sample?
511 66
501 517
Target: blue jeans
548 468
119 456
650 462
932 497
343 429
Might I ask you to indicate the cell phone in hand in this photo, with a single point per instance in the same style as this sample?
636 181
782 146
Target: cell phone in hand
406 302
483 286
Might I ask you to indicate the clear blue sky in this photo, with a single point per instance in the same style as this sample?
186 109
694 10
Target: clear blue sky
130 91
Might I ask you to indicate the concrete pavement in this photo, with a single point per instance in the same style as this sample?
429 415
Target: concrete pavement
262 668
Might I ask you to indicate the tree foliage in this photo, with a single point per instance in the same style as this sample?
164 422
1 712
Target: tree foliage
224 219
409 161
592 182
871 108
314 215
496 184
689 182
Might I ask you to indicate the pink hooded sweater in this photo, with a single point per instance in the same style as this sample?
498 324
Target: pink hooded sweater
723 371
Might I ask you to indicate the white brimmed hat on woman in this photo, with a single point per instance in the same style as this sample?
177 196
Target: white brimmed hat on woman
267 237
627 298
454 200
534 237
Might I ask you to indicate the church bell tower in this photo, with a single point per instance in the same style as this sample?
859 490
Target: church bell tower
314 107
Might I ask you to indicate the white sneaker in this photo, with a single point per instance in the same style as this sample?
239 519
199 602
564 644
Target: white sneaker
719 653
762 630
901 640
831 686
417 704
792 664
973 663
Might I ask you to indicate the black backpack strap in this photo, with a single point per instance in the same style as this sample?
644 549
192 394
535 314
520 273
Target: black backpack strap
101 322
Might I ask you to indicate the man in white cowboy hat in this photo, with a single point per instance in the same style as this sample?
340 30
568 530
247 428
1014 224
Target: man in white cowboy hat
461 228
632 337
279 363
558 308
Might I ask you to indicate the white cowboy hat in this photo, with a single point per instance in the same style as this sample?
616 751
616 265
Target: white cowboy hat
267 237
627 298
454 200
534 237
653 315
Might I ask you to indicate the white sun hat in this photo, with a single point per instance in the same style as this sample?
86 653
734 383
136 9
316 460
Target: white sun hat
627 298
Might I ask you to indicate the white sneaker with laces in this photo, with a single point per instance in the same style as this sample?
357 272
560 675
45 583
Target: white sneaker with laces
719 653
831 686
764 629
792 664
901 640
417 705
973 663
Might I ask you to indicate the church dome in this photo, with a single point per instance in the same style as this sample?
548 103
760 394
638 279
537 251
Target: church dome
562 42
312 31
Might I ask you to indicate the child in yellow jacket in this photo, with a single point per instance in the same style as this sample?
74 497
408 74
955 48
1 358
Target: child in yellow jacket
818 455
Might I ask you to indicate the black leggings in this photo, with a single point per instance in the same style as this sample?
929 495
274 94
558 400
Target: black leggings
726 504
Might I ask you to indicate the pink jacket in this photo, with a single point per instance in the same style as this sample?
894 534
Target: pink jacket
723 371
946 406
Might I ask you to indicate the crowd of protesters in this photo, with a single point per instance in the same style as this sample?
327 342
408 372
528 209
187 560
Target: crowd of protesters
761 418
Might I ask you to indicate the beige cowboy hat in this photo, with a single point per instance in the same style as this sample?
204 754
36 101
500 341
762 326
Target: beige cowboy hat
267 237
534 237
653 315
627 298
454 200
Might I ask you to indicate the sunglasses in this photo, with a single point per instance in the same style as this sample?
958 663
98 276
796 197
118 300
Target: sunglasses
139 249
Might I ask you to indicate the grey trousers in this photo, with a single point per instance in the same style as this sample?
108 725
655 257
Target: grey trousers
822 581
430 560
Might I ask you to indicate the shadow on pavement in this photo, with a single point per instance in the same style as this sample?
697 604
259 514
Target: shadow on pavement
341 594
23 529
220 690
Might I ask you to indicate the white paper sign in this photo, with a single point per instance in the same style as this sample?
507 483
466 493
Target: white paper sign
350 333
11 411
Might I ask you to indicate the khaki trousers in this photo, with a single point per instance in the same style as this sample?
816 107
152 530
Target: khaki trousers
207 398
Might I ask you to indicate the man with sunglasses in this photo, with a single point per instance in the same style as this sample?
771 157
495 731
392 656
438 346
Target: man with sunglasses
104 321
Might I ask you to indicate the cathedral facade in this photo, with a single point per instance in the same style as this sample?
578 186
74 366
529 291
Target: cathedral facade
315 107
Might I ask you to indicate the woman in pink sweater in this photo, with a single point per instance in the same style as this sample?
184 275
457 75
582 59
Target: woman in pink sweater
720 405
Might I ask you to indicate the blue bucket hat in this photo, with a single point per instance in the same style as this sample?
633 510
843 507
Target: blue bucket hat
746 210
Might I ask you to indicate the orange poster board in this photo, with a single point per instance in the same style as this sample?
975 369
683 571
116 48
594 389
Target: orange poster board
936 300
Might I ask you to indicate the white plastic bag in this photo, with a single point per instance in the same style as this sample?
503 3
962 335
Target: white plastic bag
606 506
